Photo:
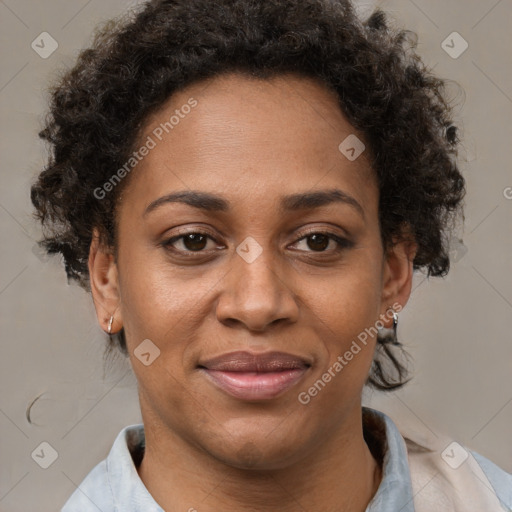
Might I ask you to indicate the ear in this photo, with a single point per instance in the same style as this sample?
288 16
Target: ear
104 281
397 274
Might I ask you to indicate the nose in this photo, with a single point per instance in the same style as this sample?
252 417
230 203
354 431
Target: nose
257 293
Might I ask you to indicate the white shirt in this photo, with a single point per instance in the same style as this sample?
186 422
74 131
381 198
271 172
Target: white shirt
421 475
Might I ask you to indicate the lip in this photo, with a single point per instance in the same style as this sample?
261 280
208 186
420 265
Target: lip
251 376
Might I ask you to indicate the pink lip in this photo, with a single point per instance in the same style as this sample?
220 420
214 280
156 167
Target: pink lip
250 376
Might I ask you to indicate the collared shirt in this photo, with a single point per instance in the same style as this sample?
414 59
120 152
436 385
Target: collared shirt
421 475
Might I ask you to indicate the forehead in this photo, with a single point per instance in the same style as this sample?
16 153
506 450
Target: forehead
239 136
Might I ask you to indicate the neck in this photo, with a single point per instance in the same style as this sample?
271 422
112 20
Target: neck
340 474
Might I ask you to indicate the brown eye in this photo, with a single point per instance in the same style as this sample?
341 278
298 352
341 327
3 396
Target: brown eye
190 242
319 242
195 241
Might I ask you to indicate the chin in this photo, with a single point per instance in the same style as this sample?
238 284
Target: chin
256 455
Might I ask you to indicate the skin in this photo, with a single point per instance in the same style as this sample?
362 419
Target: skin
251 142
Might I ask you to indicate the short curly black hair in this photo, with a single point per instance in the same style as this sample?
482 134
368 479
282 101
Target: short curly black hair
135 64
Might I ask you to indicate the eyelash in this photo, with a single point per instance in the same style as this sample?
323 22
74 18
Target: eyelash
343 243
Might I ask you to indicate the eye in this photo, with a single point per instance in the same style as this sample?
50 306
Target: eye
197 242
319 241
193 241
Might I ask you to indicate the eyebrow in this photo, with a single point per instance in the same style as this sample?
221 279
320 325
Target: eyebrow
294 202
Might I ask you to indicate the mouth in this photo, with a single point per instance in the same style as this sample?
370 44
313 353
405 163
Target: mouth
250 376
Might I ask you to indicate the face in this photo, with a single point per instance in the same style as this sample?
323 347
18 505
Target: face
273 245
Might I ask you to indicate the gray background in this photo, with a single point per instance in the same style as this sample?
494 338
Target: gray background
457 329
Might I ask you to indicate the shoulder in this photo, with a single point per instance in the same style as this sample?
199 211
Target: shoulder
114 480
449 474
443 475
500 480
93 494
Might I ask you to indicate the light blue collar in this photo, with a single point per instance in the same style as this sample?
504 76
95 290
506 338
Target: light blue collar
129 493
395 491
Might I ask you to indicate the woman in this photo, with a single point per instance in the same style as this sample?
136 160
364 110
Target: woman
246 188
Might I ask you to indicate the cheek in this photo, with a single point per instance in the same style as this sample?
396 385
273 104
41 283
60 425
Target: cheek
167 305
172 306
155 294
350 299
347 310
